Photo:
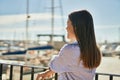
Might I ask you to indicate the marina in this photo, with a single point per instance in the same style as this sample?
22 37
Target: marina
34 31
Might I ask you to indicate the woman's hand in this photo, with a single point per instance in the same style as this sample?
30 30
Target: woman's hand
45 75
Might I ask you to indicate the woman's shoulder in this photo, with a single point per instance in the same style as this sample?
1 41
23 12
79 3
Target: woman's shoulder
70 46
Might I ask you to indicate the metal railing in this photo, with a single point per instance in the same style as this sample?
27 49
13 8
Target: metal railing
110 76
33 69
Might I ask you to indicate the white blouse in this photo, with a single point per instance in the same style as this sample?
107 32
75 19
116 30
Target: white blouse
67 64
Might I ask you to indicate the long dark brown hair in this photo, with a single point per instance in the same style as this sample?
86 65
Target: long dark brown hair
83 26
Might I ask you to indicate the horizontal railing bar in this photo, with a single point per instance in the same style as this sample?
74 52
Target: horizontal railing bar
21 63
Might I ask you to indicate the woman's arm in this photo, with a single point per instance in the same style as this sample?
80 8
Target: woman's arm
44 75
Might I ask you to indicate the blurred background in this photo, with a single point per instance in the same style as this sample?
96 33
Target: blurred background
34 30
13 16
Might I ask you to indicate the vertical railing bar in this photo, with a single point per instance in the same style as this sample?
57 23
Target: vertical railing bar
56 76
96 77
1 71
11 72
21 72
111 77
32 73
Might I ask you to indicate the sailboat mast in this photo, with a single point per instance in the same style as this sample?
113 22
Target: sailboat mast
119 34
27 22
52 21
61 10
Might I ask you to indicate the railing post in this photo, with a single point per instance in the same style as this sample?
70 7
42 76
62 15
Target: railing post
11 72
32 73
21 73
96 76
111 77
0 71
56 76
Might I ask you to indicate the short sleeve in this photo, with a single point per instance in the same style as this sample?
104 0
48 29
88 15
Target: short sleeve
61 62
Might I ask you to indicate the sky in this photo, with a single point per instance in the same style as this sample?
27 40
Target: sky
106 16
